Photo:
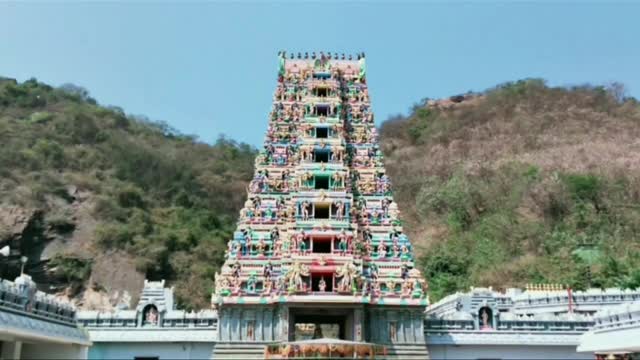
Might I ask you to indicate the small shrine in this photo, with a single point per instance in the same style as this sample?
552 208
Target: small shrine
319 243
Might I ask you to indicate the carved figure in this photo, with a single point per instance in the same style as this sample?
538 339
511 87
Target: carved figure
348 272
294 276
151 315
322 285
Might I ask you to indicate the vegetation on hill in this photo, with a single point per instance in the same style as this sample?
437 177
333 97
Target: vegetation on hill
161 198
524 183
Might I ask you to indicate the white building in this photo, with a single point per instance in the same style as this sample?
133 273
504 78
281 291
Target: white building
616 333
533 324
154 330
34 325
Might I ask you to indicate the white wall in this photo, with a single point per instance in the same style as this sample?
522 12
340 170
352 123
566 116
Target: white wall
128 351
53 351
505 352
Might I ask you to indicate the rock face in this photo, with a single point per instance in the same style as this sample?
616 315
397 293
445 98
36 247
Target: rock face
60 232
14 221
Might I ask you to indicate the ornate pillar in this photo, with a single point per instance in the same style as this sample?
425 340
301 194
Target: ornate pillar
358 324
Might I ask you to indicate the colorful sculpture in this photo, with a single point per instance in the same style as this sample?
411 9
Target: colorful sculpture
320 191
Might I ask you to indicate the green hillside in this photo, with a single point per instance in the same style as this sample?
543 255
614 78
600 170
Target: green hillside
522 183
116 194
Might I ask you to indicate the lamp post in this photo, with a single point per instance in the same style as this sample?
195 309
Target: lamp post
23 260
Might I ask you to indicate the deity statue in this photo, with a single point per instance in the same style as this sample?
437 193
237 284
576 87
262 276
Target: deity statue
261 247
305 210
339 210
485 318
375 288
404 272
235 270
322 285
338 180
406 288
236 282
274 234
251 283
302 247
250 332
286 245
268 286
382 250
385 206
348 272
342 243
393 331
237 248
294 276
373 271
418 291
151 316
267 270
222 285
268 214
406 255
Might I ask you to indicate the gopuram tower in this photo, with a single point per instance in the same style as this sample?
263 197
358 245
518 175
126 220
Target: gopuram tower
319 261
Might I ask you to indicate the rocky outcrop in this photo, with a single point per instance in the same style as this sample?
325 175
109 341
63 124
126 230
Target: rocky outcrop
14 221
59 235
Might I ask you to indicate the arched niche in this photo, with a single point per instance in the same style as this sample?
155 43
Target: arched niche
150 315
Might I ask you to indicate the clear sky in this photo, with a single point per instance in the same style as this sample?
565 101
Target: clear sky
210 68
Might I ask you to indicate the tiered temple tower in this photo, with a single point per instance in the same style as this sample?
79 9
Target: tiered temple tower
319 245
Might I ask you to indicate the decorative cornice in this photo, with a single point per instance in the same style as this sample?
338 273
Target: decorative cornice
17 325
502 338
125 335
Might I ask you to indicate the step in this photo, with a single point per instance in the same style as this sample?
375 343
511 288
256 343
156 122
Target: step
238 351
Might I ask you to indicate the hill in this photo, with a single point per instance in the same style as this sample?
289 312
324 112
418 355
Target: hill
519 184
97 199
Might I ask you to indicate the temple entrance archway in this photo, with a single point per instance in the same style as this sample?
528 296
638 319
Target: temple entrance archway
313 323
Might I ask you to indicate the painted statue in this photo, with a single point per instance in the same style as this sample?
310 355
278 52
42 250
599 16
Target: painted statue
348 273
294 276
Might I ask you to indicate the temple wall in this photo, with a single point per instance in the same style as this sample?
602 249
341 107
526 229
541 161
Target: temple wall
396 325
179 350
498 352
259 323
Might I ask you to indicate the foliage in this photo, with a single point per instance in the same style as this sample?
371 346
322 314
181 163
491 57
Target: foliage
74 271
165 198
522 183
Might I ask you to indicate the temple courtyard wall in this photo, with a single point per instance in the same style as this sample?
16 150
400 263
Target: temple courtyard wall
511 352
151 350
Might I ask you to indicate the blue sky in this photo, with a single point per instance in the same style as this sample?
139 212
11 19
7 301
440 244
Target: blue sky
210 68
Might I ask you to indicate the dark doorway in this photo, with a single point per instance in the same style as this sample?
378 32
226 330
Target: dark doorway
321 211
321 156
322 246
322 182
322 132
322 110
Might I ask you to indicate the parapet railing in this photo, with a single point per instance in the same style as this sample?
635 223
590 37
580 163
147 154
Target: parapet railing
112 320
577 299
440 325
24 299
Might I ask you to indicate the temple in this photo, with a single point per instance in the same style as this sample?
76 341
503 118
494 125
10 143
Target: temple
319 267
319 251
35 325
